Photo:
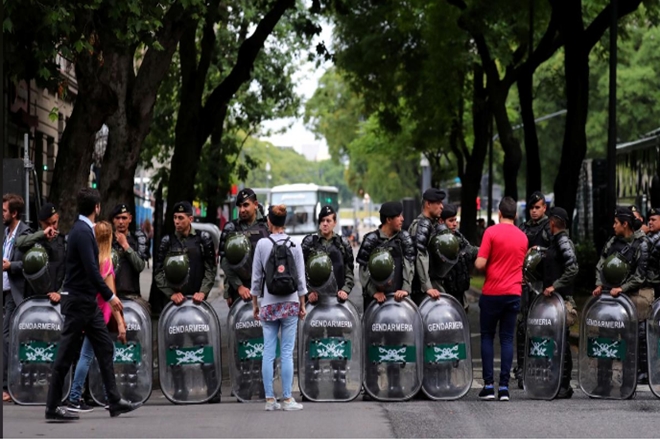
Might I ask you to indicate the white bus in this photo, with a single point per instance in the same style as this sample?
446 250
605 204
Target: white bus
303 202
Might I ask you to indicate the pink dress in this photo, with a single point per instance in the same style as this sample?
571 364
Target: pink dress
106 269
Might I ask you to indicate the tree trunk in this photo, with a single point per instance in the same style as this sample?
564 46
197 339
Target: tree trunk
95 102
510 145
525 92
574 148
471 180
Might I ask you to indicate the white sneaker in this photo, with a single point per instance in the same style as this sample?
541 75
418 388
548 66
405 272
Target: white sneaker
272 405
291 405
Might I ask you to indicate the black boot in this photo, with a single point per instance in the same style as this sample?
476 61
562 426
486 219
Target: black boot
520 350
642 361
565 389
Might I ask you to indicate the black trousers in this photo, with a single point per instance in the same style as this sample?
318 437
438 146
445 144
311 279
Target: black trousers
9 308
80 316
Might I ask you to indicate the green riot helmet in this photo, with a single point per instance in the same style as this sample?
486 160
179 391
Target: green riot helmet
381 265
615 270
319 269
35 270
176 268
237 248
533 264
114 255
445 246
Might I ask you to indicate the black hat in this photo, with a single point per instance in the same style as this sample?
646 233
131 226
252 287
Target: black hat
325 211
183 207
434 195
245 194
535 197
560 213
654 211
624 215
391 209
122 208
46 212
448 211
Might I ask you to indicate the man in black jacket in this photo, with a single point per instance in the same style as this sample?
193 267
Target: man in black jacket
82 314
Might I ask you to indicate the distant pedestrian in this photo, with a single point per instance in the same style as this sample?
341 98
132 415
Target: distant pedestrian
278 277
81 284
501 255
148 232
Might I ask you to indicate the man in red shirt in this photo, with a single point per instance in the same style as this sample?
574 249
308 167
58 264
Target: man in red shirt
501 255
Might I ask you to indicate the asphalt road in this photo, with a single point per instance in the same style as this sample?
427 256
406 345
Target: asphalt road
579 417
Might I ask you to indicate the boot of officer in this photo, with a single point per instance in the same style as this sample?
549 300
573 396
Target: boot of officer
537 230
644 299
422 230
457 281
252 223
389 235
341 254
634 252
559 273
199 248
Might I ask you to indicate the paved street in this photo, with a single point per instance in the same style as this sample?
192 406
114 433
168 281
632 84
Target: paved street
579 417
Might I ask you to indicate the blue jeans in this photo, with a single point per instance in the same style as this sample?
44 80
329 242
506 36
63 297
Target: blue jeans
289 327
82 369
493 309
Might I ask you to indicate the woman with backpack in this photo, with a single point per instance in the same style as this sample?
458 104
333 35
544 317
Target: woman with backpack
278 276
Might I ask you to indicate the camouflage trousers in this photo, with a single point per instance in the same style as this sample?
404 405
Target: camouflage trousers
643 299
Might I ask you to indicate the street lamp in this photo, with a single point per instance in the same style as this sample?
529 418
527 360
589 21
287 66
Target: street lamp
268 176
426 173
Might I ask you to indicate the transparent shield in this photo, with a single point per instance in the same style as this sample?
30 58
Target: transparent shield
653 346
447 351
393 349
246 349
608 348
330 351
544 347
132 361
35 337
189 357
40 281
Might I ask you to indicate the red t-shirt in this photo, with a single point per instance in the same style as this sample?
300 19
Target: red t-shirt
504 246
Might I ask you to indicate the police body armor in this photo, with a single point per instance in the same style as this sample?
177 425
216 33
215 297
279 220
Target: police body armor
189 352
330 351
608 347
653 347
457 280
545 347
127 279
533 268
447 352
246 351
132 361
393 344
35 338
36 270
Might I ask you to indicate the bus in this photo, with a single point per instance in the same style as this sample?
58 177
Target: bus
303 202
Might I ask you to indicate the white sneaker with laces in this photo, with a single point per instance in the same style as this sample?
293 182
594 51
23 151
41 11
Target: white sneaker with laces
272 405
291 405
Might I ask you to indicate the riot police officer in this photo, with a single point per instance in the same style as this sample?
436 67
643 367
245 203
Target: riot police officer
560 267
422 230
457 281
537 230
198 246
341 254
388 235
48 237
252 223
634 253
653 266
131 250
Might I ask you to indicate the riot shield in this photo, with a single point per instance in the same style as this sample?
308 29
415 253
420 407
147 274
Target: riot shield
189 357
35 337
132 361
393 341
653 347
447 352
544 347
246 349
608 347
330 351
